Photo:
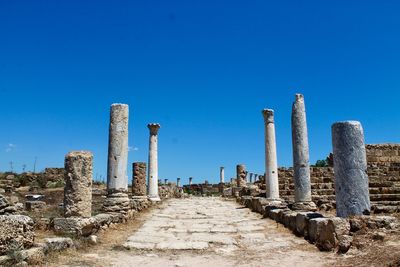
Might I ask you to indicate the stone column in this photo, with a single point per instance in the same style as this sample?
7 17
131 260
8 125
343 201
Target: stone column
255 177
350 166
153 162
178 182
241 175
222 175
271 164
78 184
301 157
165 181
251 177
190 180
117 179
139 180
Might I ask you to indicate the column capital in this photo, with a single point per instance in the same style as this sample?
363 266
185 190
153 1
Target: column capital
268 115
154 127
299 97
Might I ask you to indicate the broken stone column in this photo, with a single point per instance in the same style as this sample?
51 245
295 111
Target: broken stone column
255 177
139 189
178 182
241 175
190 180
165 181
301 157
350 167
222 175
271 163
117 179
251 177
78 184
153 162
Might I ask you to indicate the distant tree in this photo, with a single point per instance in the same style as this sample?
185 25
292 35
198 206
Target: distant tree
321 163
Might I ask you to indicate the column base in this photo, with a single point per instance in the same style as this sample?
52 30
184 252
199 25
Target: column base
306 206
154 198
116 202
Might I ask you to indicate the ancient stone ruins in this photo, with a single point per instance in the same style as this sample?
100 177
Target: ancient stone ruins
355 198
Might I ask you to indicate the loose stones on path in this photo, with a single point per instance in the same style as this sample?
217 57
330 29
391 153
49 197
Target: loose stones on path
350 166
208 224
78 184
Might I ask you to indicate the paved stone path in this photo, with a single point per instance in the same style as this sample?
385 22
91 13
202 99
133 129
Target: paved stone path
227 233
198 232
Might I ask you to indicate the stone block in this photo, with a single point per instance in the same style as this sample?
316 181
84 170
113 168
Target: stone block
58 243
35 205
15 230
302 220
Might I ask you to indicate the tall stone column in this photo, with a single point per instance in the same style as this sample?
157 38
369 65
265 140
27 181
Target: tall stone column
190 180
222 175
139 180
350 166
117 179
241 175
78 184
271 164
178 182
255 177
153 162
301 157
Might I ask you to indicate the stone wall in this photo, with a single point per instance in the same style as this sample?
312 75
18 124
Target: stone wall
384 180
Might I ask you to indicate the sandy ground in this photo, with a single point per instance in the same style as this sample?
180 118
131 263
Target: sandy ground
198 232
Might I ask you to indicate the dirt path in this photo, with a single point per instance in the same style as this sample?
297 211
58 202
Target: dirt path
199 232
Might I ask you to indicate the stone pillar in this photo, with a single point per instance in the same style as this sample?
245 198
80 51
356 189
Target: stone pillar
301 157
251 177
139 179
117 179
350 166
241 175
190 180
78 184
153 162
165 181
222 175
271 164
178 182
255 177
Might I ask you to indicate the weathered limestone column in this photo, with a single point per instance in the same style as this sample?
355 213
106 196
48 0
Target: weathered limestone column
153 162
350 166
117 179
178 182
301 157
271 164
241 175
190 180
222 175
251 177
78 184
255 177
139 179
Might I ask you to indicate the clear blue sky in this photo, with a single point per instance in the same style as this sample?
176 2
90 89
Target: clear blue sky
203 69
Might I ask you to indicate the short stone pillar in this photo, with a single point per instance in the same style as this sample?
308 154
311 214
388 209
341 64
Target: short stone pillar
153 162
350 166
241 175
251 177
190 180
222 175
139 189
271 163
301 157
178 182
78 184
117 178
